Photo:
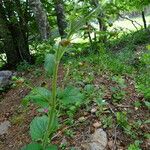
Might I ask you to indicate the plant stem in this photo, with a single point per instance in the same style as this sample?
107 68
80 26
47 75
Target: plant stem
54 84
52 113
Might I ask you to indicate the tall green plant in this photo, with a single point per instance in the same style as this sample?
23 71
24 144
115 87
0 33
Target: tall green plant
43 127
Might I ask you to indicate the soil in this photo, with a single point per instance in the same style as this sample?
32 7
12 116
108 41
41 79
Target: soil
20 117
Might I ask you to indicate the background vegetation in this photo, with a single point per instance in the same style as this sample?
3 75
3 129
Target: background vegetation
100 49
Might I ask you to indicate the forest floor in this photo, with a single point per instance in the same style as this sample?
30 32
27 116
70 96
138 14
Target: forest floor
77 133
112 99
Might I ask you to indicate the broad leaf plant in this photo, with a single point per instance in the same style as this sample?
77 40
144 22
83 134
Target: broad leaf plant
43 127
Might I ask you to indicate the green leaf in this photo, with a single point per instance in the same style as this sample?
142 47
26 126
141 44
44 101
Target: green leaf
25 102
89 88
147 121
122 119
77 24
49 64
147 104
147 136
32 146
52 147
38 127
40 96
70 95
135 146
101 102
36 146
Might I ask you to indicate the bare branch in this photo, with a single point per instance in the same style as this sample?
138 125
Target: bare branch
132 21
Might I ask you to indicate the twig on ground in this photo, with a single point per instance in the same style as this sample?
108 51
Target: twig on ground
124 106
112 110
115 138
66 128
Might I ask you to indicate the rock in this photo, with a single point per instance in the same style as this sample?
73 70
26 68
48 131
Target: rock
85 113
81 119
5 78
110 144
93 110
7 74
98 141
4 127
64 141
97 124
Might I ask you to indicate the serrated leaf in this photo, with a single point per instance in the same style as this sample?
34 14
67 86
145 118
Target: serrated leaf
32 146
70 95
49 64
40 96
38 127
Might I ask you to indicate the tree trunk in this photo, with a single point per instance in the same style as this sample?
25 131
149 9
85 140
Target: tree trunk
41 18
15 42
144 19
21 33
61 20
100 18
89 35
9 48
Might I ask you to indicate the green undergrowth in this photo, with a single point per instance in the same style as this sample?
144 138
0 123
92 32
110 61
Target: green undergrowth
128 55
81 94
133 60
130 40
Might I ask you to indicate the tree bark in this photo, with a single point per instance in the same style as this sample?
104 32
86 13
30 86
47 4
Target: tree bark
41 18
61 20
144 19
15 40
11 53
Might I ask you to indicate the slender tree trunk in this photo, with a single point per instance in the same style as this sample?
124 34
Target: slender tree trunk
102 26
144 19
41 18
21 33
100 18
61 20
89 36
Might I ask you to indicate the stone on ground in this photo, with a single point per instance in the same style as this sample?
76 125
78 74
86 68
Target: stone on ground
4 127
98 141
5 78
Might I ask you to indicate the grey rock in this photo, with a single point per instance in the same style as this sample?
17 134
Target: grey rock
5 78
6 73
98 141
4 127
64 141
